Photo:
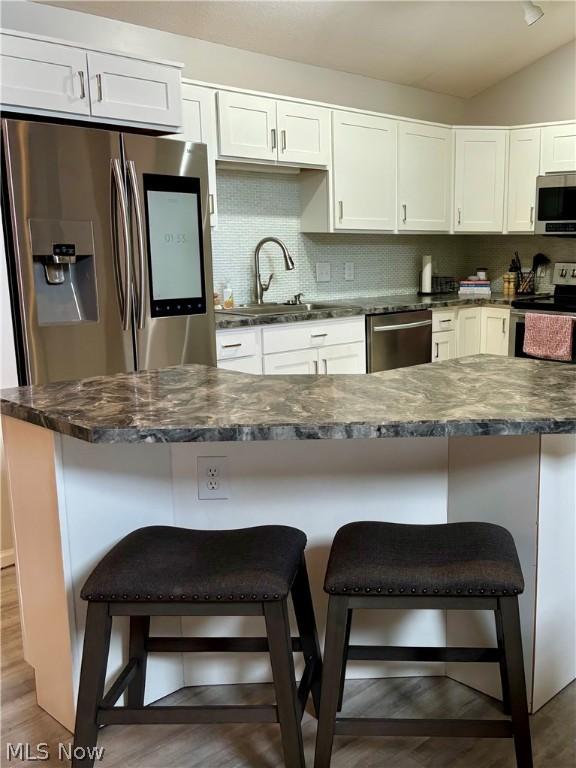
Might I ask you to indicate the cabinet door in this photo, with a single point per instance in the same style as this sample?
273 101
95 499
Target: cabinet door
559 148
242 365
523 169
479 180
303 133
364 172
495 330
199 126
343 358
468 332
247 126
39 75
134 91
424 177
300 361
443 346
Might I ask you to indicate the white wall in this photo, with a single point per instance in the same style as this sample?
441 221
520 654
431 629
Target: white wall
544 91
230 66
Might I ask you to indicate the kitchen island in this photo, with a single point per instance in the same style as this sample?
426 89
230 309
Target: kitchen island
478 438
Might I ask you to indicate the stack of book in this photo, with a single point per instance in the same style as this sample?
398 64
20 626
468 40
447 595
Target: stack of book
473 286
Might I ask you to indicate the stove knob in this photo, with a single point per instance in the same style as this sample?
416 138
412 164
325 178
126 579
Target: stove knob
573 273
563 272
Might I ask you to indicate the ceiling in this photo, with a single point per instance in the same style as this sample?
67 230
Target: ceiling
453 47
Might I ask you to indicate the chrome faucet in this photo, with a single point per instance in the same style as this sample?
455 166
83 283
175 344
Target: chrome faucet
261 287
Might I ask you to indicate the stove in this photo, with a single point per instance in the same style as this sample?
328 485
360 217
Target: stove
562 300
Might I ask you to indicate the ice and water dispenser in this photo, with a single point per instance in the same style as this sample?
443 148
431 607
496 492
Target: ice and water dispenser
64 271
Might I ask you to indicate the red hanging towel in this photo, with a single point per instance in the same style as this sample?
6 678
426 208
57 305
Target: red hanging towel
550 337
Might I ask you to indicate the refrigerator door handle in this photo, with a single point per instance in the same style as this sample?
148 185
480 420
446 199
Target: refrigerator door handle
141 290
118 196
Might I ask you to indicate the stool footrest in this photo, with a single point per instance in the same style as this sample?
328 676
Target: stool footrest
419 653
213 645
187 715
365 726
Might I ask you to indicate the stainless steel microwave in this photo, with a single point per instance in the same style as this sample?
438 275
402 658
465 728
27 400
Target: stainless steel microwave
556 204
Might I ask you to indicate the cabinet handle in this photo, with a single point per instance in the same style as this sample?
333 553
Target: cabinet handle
437 350
403 213
341 210
459 215
211 203
316 367
283 135
325 366
318 335
99 86
531 214
446 321
231 346
503 325
273 138
82 85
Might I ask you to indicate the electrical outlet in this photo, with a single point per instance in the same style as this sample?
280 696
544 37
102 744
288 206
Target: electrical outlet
323 272
348 270
213 477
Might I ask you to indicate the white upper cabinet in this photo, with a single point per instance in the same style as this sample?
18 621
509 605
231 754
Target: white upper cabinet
303 133
424 177
364 171
134 91
479 180
247 126
523 169
40 75
48 78
559 148
260 128
199 127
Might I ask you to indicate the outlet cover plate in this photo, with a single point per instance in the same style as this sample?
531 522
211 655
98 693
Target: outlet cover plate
323 272
349 270
212 477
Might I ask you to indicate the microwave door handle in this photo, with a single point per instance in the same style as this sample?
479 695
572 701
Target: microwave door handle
123 281
141 290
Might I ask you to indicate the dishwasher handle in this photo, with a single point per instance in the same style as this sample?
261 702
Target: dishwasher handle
401 326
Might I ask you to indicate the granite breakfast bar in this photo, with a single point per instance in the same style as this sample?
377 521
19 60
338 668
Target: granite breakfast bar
481 438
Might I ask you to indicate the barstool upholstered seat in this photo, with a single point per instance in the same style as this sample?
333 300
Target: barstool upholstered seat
391 558
165 571
165 563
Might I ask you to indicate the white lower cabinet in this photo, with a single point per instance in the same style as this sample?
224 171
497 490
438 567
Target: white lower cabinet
443 346
468 331
343 358
495 331
242 365
299 361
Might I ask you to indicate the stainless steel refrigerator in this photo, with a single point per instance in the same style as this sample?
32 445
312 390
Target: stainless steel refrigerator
108 247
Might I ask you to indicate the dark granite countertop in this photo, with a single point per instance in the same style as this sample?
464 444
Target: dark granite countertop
480 395
357 307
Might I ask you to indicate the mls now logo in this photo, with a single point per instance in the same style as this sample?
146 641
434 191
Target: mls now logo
39 752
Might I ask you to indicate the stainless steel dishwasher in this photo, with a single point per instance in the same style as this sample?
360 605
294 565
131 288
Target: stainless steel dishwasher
398 340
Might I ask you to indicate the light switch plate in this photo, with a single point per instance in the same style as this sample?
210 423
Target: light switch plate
348 270
323 272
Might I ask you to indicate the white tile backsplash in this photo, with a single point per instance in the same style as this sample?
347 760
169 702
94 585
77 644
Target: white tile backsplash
254 205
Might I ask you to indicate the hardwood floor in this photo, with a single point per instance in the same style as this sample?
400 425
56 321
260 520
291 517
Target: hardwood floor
239 746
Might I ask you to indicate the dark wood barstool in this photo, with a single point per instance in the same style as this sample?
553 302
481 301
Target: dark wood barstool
458 566
169 571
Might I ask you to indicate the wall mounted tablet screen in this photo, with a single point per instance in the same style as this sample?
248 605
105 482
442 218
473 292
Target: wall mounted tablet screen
175 248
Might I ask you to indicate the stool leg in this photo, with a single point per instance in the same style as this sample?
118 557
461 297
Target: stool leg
334 649
345 659
92 680
514 662
139 633
503 677
304 610
282 660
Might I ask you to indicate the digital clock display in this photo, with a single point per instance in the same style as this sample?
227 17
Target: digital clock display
175 241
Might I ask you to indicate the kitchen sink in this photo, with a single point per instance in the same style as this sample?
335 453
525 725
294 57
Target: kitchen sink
283 309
